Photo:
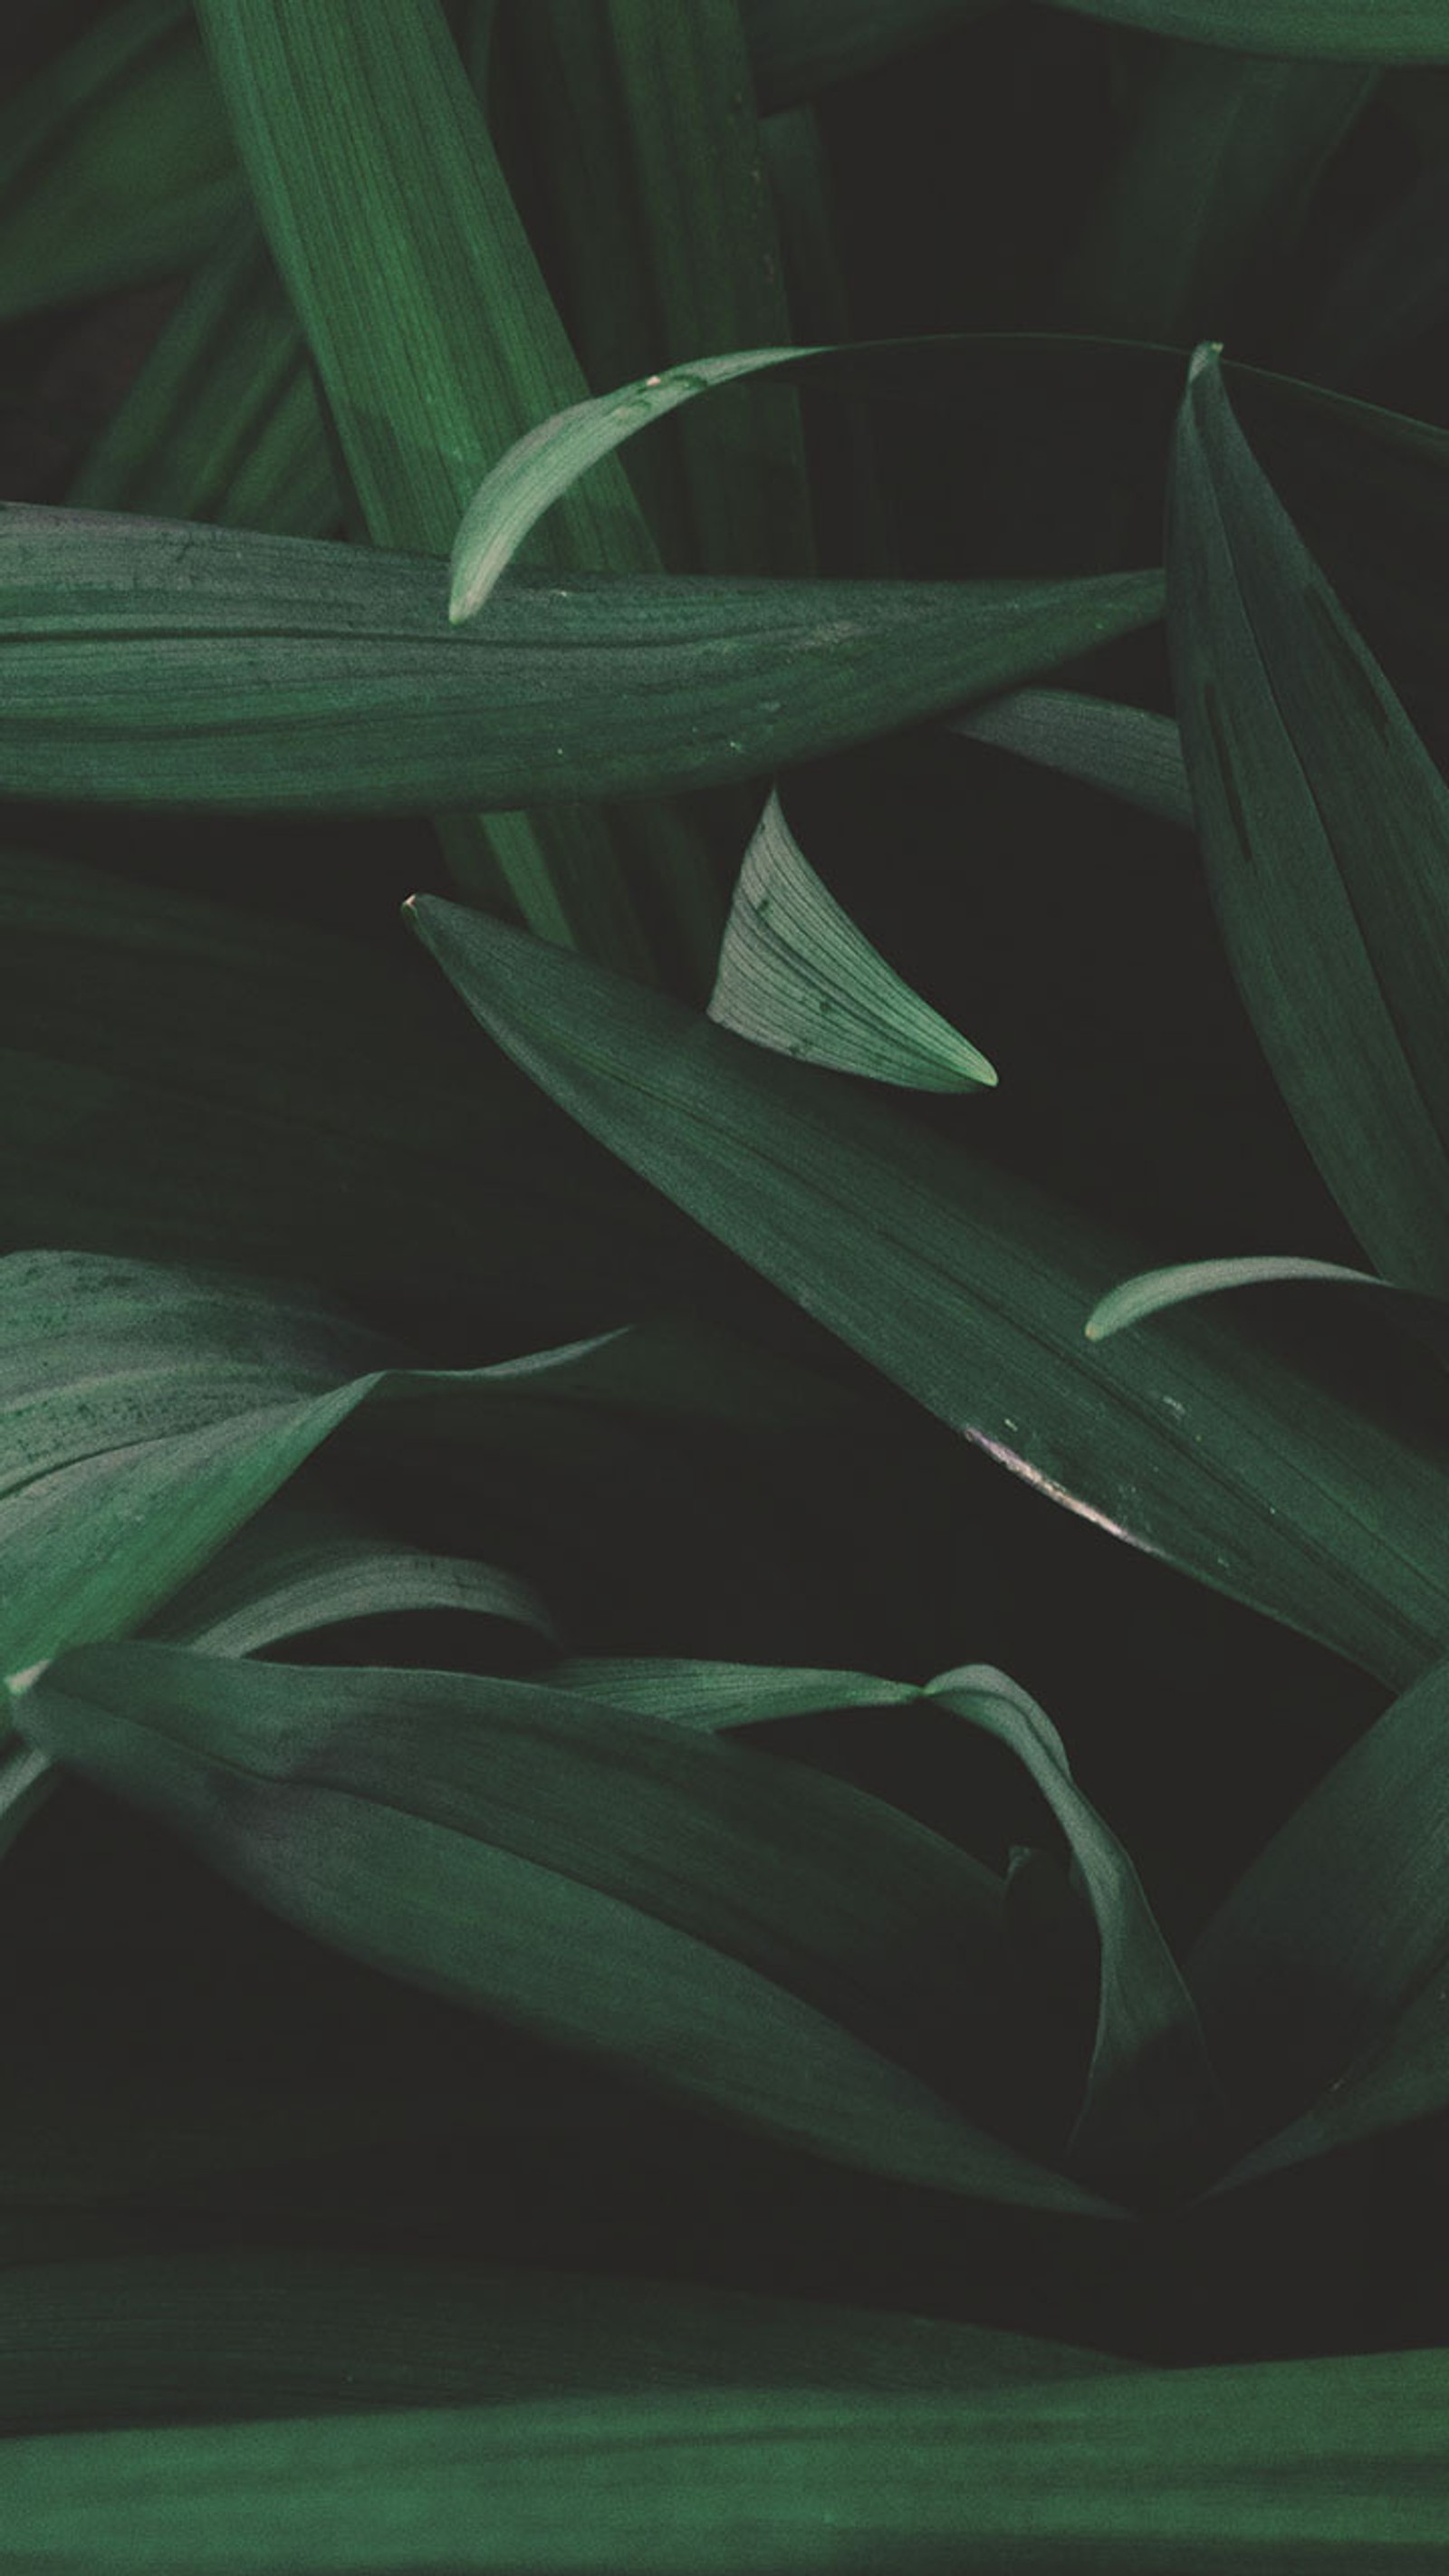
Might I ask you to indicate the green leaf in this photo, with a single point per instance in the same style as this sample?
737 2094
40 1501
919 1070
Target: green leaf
800 46
1347 31
623 106
710 1696
543 466
115 162
437 343
296 1569
795 975
763 1938
1325 1971
969 1289
177 2338
1131 753
1326 830
222 421
1212 176
1152 1291
284 675
1152 2100
1234 2471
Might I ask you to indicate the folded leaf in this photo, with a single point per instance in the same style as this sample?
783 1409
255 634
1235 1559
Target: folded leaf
969 1289
1326 830
289 676
1133 754
1234 2471
796 975
762 1937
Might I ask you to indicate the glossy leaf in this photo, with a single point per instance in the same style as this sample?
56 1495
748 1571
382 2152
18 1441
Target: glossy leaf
1127 750
1326 830
613 1883
292 676
797 976
930 1264
1226 2472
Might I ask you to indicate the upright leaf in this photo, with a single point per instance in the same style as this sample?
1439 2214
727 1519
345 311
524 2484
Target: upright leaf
1326 829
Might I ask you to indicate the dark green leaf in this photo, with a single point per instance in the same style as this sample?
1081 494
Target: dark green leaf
288 675
765 1938
1133 754
970 1290
1326 830
1237 2471
1350 31
799 46
174 2338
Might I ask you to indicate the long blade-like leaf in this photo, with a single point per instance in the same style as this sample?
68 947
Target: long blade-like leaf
769 1940
1237 2471
970 1291
1127 750
305 677
1326 828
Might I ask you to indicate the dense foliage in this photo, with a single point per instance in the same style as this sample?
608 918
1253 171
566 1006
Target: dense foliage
723 1580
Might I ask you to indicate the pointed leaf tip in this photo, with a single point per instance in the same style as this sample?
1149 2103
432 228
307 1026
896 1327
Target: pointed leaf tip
1204 360
1149 1291
797 976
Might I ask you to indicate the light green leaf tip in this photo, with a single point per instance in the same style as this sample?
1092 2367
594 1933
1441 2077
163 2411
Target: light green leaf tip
1151 1290
540 467
797 976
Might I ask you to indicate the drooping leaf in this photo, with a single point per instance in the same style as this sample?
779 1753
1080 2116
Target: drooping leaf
1233 2471
622 108
969 1290
797 976
1324 1973
1155 1290
313 678
1127 750
115 162
1326 830
296 1569
1348 31
1151 2096
222 422
768 1940
178 2338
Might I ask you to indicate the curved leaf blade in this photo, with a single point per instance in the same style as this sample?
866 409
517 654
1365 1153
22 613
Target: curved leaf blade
1127 750
1153 1292
797 976
928 1263
1326 830
767 1940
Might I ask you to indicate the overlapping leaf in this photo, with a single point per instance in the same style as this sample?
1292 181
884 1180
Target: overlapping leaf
1353 31
1326 828
970 1291
1227 2472
768 1940
284 675
1127 750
